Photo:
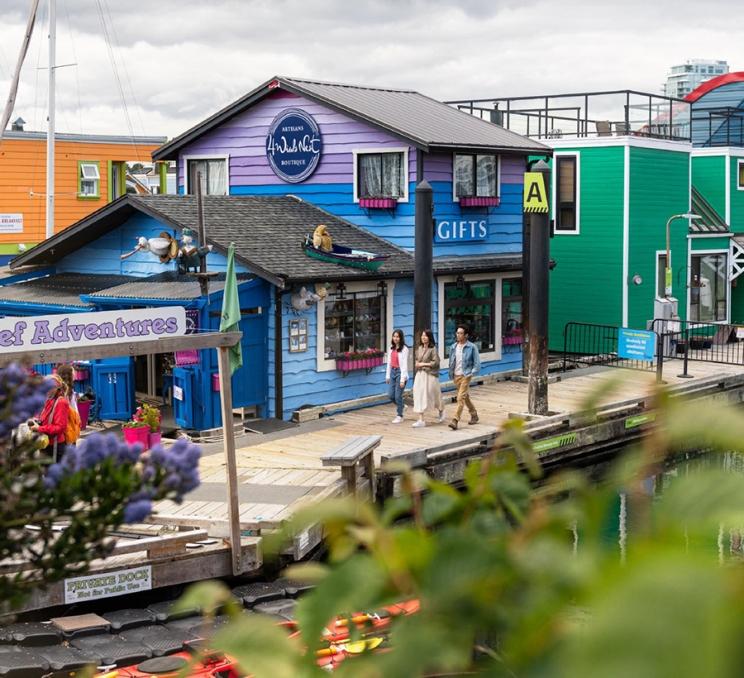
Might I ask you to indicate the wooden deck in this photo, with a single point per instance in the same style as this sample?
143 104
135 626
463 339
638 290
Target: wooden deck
278 476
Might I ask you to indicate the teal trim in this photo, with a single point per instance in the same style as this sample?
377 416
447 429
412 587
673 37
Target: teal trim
135 301
29 308
28 275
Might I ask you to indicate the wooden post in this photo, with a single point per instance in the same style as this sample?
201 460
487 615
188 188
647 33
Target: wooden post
233 499
203 279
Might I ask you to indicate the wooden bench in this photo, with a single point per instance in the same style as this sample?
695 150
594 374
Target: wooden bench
355 452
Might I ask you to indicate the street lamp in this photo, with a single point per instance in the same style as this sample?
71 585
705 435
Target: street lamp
668 270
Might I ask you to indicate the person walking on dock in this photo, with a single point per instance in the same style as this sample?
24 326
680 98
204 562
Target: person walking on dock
464 364
396 373
426 389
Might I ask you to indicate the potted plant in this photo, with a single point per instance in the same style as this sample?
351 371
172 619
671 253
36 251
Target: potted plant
136 432
84 403
151 417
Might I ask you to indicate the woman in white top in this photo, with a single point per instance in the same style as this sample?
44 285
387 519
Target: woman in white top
396 374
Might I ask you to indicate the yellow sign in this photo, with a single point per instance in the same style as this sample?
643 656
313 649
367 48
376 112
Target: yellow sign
535 195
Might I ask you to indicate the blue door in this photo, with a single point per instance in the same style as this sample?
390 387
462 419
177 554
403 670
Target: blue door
183 396
113 381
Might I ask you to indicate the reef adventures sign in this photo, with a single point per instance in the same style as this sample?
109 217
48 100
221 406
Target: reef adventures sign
68 330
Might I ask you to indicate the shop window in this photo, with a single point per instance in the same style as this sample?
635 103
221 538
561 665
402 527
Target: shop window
472 304
354 321
709 287
381 175
511 314
566 211
740 175
476 175
661 275
89 180
213 175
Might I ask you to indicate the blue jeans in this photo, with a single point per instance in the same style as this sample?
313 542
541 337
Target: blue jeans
395 390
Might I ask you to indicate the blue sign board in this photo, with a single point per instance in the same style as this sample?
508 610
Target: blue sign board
461 230
293 145
636 344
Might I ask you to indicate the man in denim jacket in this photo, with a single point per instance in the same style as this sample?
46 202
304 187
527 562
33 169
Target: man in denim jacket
464 364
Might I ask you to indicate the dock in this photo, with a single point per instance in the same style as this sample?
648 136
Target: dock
285 471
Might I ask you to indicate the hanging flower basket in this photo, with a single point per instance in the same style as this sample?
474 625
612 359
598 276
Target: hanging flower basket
378 203
362 360
479 201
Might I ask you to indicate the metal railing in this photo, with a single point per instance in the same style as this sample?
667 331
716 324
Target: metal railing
701 341
587 344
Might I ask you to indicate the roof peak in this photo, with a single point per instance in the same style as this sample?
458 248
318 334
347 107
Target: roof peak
311 81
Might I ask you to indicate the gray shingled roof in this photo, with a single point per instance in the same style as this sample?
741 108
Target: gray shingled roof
164 286
268 232
425 122
477 262
63 289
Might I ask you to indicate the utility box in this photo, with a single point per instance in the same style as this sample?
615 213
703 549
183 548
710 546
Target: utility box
665 308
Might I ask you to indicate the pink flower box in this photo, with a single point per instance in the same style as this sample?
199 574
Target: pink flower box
349 364
479 201
378 203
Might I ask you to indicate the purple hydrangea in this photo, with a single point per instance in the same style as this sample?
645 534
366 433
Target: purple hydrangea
180 462
137 511
22 397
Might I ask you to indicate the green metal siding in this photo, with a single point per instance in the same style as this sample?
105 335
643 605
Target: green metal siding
586 283
709 244
737 198
737 301
659 188
709 177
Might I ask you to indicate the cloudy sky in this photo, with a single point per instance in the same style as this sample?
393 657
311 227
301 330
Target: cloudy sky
159 67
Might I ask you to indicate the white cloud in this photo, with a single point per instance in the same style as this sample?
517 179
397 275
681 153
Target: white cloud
178 61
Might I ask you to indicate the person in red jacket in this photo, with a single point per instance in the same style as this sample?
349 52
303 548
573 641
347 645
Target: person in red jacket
54 416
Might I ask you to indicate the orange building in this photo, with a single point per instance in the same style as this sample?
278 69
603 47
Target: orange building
89 171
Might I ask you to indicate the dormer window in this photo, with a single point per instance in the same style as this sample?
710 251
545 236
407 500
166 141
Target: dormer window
476 175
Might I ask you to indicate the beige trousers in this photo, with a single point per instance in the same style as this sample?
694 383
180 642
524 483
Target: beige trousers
463 396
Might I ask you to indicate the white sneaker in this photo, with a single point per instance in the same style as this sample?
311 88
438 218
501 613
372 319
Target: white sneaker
419 423
397 420
442 417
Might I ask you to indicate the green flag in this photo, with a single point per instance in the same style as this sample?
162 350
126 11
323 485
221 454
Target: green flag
230 320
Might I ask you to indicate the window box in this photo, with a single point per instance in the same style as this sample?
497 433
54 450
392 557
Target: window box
479 201
367 360
378 203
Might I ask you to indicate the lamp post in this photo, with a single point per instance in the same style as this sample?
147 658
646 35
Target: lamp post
668 269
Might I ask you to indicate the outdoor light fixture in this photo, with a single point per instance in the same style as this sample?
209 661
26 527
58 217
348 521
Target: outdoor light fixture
460 282
668 270
382 286
341 290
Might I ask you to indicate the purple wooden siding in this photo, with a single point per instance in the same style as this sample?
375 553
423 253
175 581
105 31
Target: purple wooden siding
244 139
438 167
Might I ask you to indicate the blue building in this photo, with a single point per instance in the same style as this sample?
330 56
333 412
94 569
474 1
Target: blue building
285 158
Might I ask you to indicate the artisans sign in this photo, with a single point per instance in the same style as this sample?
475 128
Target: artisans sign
293 145
108 584
68 330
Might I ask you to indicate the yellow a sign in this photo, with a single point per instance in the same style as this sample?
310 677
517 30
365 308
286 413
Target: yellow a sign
535 195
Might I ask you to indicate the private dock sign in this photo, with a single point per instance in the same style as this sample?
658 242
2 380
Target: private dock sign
636 344
69 330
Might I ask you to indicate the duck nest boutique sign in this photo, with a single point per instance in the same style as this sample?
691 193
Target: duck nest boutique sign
90 329
293 145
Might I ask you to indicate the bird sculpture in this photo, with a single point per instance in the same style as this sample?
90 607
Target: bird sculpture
304 299
165 247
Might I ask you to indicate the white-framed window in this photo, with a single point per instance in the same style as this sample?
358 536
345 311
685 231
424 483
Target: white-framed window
566 193
476 175
709 286
660 273
489 305
381 173
354 316
89 179
740 174
214 174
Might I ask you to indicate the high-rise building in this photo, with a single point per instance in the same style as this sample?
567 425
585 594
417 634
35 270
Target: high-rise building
684 78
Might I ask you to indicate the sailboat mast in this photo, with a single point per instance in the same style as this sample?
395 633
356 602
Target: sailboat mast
50 119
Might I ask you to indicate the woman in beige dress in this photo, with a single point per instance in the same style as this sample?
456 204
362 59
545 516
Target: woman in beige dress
427 393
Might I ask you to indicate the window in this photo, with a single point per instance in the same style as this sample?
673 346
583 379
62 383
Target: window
472 304
708 287
566 195
740 175
511 314
213 175
381 175
476 175
89 179
661 274
354 321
